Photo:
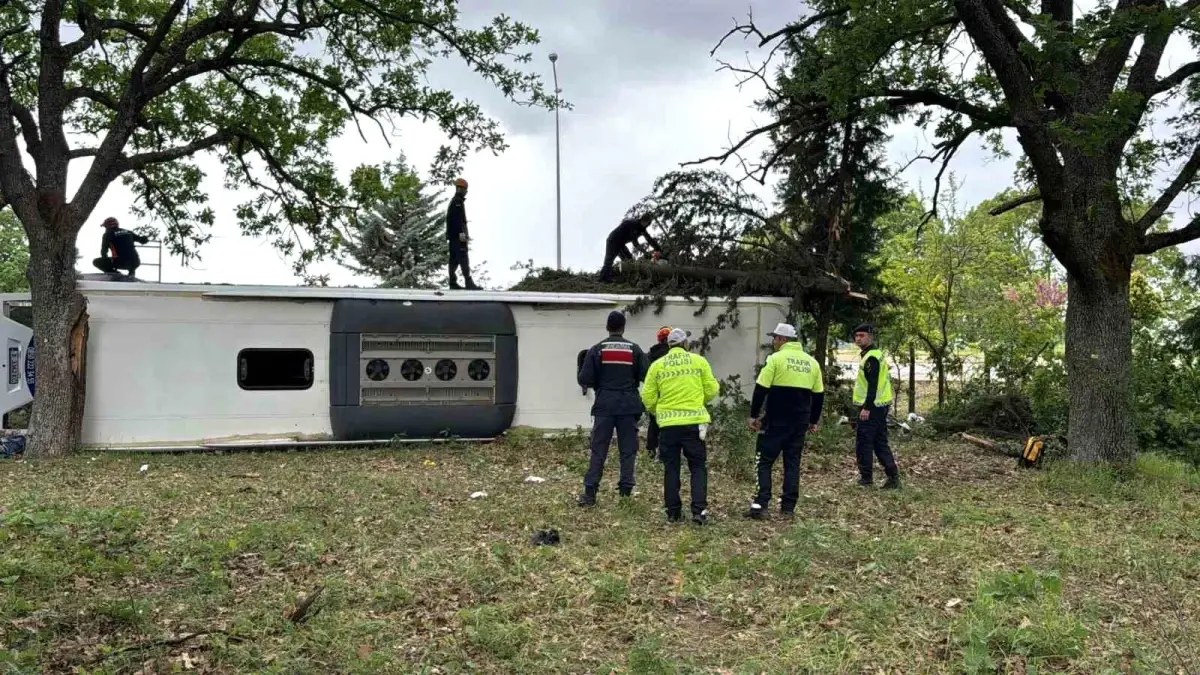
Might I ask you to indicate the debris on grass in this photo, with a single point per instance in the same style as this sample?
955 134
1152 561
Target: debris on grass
301 612
546 538
976 566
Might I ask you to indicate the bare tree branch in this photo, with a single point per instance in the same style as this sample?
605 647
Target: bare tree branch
1022 12
1176 78
1145 67
749 28
1016 80
1114 51
1182 181
1161 240
1062 11
1014 203
29 129
16 185
145 159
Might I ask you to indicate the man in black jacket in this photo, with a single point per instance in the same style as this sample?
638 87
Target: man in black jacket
117 251
617 244
613 368
456 233
658 351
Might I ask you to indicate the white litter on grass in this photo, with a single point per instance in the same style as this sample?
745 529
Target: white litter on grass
144 469
478 495
904 426
843 420
535 479
914 417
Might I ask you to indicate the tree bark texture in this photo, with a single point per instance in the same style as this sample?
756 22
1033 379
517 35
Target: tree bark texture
941 370
60 333
1088 233
1100 372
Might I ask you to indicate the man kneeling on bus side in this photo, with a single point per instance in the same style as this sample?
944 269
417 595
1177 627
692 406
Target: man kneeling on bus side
791 384
613 368
677 388
119 242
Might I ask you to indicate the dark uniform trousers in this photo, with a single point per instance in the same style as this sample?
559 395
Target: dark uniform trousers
626 427
652 434
777 439
459 260
872 437
676 444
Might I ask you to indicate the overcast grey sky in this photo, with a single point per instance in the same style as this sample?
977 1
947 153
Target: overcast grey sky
646 96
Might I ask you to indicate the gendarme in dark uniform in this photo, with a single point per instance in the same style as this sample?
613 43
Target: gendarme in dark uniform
873 396
794 391
613 368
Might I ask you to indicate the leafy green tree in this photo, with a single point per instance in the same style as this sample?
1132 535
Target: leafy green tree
835 185
262 87
14 254
959 280
1081 101
402 240
1017 298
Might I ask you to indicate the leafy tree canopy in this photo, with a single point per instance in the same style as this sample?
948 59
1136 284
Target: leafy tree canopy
262 86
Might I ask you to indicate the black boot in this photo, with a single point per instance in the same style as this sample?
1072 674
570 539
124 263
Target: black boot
865 482
471 285
701 518
674 517
625 492
588 498
892 483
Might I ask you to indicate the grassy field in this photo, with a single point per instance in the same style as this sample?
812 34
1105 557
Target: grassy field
196 565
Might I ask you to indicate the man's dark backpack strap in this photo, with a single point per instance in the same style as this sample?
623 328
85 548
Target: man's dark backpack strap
579 365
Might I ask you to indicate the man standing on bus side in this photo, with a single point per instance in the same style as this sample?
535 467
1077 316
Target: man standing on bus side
678 387
456 233
873 395
613 368
791 385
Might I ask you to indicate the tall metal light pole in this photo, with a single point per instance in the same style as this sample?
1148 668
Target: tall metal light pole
557 167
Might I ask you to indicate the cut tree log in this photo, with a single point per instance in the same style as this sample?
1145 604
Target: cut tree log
771 283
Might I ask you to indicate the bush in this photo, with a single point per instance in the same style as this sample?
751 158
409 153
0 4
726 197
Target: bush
977 406
729 432
1166 399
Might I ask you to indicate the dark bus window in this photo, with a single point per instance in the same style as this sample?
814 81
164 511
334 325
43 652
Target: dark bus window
266 369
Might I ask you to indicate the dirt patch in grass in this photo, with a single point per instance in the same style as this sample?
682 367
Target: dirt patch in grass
975 566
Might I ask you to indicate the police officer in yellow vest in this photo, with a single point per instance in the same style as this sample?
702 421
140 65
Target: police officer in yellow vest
873 396
677 387
791 385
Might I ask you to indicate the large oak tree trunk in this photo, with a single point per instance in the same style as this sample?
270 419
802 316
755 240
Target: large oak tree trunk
1099 355
59 319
